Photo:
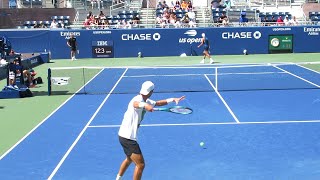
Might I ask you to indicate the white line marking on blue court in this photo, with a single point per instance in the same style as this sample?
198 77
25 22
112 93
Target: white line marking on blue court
201 74
84 129
224 102
24 137
308 69
212 123
297 76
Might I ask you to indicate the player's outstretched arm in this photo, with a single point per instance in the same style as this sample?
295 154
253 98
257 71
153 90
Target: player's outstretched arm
169 100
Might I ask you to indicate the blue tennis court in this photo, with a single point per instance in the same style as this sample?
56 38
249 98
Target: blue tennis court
257 122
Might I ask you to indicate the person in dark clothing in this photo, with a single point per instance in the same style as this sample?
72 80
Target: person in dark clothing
72 43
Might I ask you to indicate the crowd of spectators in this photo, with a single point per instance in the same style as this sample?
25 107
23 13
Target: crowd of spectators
175 14
279 21
102 21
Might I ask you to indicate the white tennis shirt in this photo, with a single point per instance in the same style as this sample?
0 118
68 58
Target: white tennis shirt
132 118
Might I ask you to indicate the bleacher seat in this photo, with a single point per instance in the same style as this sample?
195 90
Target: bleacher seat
27 23
66 17
60 18
26 2
54 17
122 17
122 13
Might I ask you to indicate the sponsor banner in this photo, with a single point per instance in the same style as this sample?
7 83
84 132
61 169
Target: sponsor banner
162 42
311 31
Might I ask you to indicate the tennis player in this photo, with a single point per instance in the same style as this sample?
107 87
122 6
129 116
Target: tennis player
205 42
137 108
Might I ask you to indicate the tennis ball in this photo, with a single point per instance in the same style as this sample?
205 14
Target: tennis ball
201 144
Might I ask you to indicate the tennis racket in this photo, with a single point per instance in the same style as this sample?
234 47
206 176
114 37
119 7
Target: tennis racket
175 109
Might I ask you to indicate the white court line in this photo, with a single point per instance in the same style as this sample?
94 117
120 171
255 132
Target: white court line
178 75
224 102
84 129
212 123
24 137
297 76
308 69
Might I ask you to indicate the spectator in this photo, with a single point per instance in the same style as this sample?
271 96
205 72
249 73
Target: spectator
136 19
215 4
264 21
293 21
286 21
192 15
272 21
184 5
177 6
159 6
54 24
101 15
280 21
243 19
185 19
223 19
165 5
190 5
42 25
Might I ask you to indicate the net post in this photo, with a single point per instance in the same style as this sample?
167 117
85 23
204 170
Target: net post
49 81
216 79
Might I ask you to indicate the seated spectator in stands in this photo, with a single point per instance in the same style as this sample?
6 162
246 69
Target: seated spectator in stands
165 5
161 21
54 24
264 21
173 20
125 25
42 25
160 6
101 15
177 6
136 20
192 15
227 4
215 4
185 19
190 5
272 21
96 22
104 24
223 19
293 21
87 22
286 21
280 21
243 19
184 5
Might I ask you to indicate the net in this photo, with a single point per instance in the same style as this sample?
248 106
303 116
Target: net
128 80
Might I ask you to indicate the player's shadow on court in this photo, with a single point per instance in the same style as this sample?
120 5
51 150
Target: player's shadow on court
1 107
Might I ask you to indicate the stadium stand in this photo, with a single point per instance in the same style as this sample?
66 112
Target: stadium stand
26 17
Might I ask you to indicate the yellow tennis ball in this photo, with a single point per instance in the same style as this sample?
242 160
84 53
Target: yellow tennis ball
201 143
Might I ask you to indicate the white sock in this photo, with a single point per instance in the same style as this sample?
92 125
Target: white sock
118 177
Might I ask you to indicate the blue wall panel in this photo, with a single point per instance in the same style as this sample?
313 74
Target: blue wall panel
163 42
